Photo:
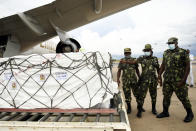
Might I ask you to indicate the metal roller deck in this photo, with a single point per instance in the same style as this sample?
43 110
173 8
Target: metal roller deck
61 119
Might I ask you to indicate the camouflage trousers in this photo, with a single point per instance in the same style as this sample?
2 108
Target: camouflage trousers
127 87
181 93
144 86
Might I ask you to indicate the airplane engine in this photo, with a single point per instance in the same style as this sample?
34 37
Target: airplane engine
69 45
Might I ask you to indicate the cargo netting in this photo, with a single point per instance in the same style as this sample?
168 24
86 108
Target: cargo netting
66 81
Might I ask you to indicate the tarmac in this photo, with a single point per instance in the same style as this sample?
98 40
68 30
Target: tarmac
149 122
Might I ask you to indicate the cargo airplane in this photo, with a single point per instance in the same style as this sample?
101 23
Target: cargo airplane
22 31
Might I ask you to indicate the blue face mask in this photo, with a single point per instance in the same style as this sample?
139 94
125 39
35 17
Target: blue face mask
147 53
171 46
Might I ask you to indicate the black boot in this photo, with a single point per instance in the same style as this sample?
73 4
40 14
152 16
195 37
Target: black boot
129 107
154 111
139 113
165 113
189 116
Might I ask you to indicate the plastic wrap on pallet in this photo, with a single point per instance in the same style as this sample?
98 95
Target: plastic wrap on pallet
66 81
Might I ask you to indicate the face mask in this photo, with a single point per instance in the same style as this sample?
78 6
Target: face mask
128 56
171 46
147 53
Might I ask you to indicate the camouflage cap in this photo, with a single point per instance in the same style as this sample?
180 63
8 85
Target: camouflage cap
172 40
127 50
147 47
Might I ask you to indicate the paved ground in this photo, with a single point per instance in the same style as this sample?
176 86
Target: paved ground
149 122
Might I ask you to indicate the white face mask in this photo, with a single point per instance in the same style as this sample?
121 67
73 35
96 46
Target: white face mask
128 56
147 53
171 46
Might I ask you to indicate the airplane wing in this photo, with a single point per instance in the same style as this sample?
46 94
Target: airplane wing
34 26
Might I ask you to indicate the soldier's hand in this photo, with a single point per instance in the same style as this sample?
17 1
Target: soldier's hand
160 80
118 81
181 83
132 62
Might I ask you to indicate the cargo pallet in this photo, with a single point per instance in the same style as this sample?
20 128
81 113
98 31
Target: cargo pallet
70 119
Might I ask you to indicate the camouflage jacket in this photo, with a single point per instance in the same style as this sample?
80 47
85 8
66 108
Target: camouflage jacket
129 70
175 64
149 67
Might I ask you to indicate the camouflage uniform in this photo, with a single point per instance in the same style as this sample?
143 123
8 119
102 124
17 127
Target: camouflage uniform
175 64
148 78
129 78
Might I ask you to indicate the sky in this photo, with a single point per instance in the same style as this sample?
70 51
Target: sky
152 22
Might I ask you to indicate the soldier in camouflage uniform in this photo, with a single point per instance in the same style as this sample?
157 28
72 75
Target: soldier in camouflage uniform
129 67
176 65
148 79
